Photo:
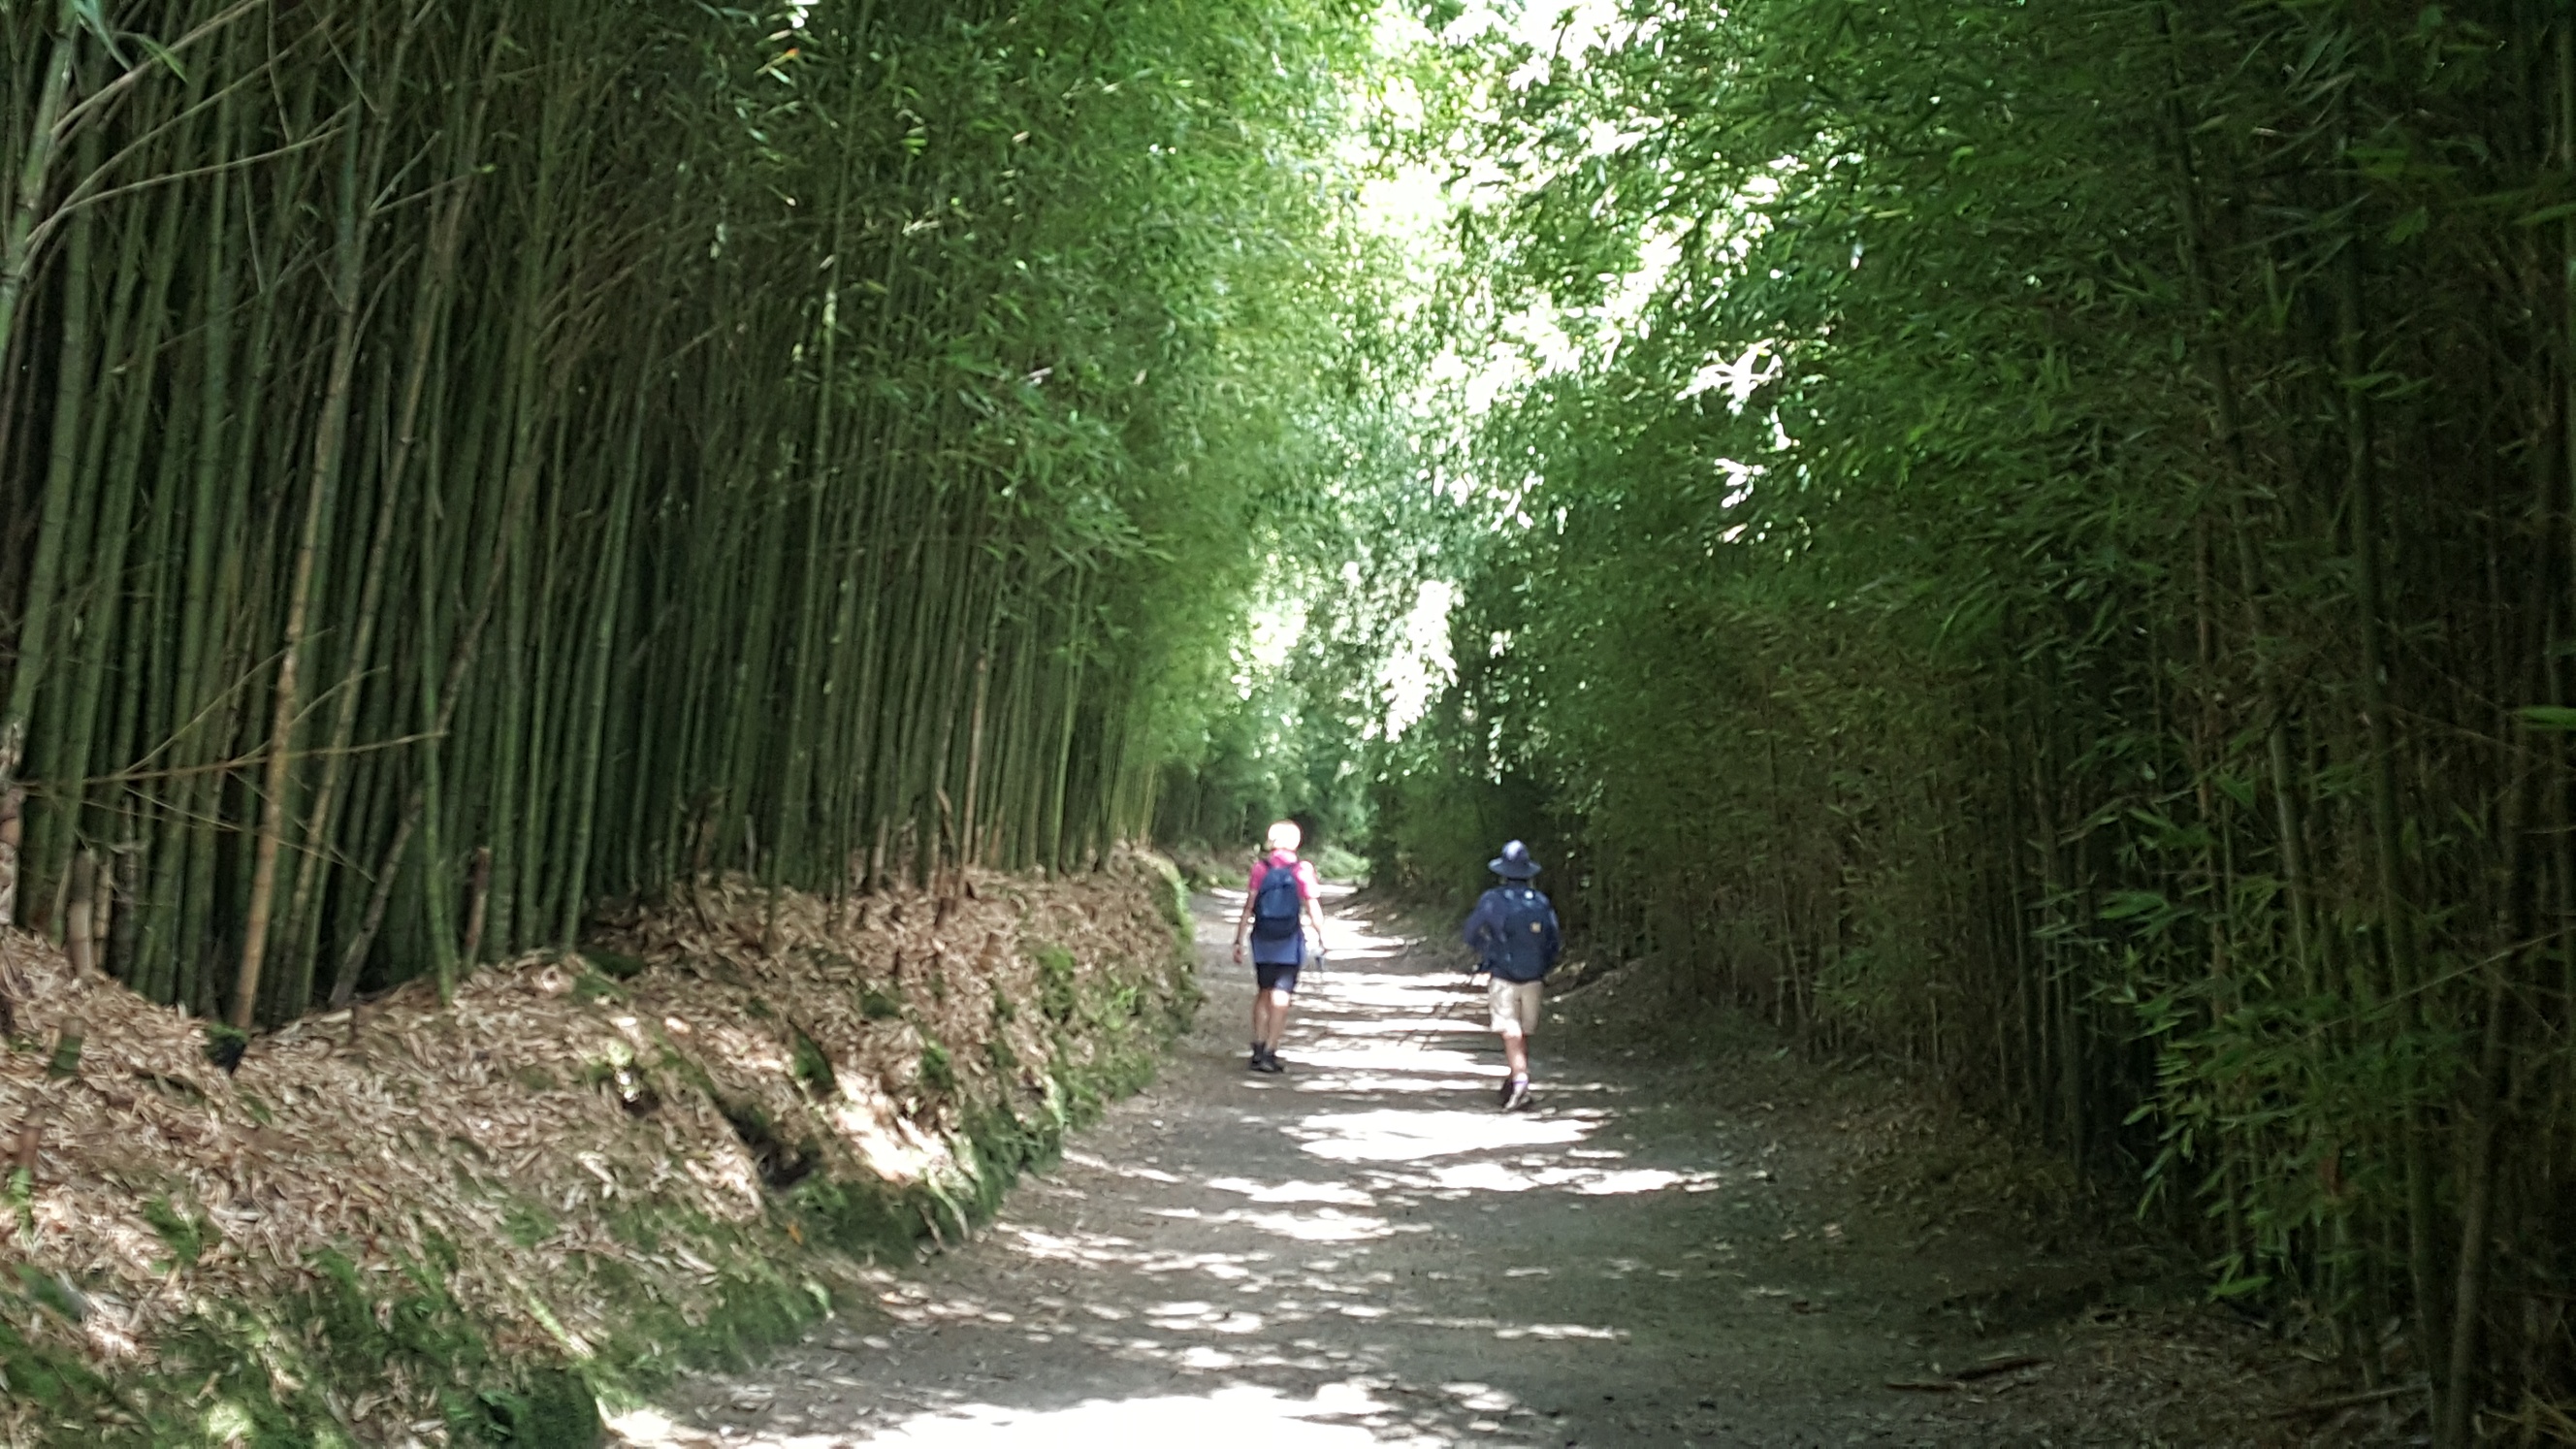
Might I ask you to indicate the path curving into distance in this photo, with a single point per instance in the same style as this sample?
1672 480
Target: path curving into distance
1365 1252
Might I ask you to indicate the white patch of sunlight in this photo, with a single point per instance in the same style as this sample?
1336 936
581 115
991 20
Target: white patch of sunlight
1278 622
1484 1398
1100 1250
1396 1135
1380 989
1183 1317
1352 1020
1420 667
1403 202
1087 1248
1335 1193
1586 1181
1397 1065
1101 1164
1557 30
1550 1332
885 1140
1242 1414
1739 477
1327 1225
1759 364
1658 252
1373 1083
1559 1332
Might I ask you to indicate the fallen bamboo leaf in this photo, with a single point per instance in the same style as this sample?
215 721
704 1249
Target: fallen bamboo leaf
2348 1401
2003 1364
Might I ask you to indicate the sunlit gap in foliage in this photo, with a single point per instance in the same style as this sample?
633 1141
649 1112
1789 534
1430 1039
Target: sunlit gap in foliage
1343 649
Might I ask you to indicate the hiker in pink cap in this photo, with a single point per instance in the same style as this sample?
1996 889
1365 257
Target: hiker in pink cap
1278 905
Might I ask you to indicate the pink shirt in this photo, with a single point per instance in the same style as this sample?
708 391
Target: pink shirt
1307 881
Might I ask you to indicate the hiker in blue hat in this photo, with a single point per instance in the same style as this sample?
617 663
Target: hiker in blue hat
1513 931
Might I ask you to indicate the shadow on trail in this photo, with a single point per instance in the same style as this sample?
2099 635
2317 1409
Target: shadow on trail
1364 1251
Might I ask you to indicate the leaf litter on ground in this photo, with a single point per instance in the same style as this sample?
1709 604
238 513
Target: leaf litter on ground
554 1089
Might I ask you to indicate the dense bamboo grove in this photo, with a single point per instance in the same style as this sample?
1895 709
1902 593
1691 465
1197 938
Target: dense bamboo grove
2050 556
1350 613
464 459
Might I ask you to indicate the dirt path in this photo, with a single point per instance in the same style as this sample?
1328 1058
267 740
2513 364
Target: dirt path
1366 1252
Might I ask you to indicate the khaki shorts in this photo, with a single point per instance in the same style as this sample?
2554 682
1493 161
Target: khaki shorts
1514 1005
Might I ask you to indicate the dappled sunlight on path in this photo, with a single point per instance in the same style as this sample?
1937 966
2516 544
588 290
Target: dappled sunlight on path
1363 1251
1243 1415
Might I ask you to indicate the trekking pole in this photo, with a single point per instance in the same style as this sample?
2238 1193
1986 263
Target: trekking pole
1445 1011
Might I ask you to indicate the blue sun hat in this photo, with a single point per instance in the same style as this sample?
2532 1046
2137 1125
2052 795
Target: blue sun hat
1514 863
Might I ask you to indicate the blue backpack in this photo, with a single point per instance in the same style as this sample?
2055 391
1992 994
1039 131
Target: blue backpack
1521 952
1274 916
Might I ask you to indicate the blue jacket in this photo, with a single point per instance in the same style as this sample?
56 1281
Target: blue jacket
1513 933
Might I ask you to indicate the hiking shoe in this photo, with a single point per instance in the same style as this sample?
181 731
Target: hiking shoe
1270 1062
1503 1096
1517 1095
1254 1063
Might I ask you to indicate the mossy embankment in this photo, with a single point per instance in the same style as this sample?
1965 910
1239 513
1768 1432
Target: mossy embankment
467 1223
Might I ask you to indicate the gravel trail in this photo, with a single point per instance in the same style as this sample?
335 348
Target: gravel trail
1366 1252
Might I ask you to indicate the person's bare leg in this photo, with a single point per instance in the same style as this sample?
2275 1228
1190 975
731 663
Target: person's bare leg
1516 1053
1269 1030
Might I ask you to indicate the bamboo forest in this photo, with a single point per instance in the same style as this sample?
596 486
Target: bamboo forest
2027 549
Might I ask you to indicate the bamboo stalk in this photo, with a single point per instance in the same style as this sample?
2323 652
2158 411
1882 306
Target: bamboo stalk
26 202
13 800
35 626
80 944
428 313
355 221
438 703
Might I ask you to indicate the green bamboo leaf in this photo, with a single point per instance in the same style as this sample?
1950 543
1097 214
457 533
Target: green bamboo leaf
92 17
2129 905
2245 1286
163 54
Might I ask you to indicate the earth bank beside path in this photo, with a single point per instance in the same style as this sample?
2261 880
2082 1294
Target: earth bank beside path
1742 1250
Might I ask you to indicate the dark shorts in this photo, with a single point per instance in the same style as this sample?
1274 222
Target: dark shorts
1279 976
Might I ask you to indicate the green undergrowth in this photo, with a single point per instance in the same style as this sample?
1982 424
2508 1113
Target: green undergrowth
1899 1138
1173 899
286 1373
1332 862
